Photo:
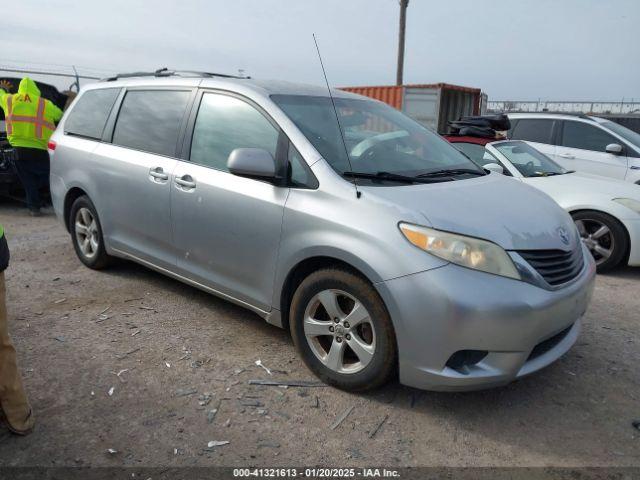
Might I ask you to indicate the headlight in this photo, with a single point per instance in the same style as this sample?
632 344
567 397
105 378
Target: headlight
465 251
629 203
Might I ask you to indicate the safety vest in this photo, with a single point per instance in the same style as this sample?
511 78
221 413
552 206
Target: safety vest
43 128
29 118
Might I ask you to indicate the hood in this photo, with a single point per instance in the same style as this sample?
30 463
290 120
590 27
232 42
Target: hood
494 207
28 86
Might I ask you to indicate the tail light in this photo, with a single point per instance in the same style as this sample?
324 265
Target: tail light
51 145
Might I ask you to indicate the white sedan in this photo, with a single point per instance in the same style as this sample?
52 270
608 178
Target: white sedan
606 211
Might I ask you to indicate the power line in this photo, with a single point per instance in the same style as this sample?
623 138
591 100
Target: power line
42 72
83 67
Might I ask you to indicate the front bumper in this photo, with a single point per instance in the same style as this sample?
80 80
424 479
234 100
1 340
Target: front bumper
449 309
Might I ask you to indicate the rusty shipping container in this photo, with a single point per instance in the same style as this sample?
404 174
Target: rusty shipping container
432 105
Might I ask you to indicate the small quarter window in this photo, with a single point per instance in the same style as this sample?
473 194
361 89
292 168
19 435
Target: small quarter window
300 175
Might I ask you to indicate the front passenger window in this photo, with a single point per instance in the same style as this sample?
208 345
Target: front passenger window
586 137
225 123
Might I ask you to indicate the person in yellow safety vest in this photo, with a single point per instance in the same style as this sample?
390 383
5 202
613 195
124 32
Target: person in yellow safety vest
30 120
14 405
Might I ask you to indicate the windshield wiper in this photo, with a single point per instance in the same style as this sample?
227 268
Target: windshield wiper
451 171
546 174
395 177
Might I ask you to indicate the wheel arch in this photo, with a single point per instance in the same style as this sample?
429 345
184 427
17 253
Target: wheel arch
302 270
72 195
625 257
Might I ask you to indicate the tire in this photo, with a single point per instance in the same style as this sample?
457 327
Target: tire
373 336
601 233
91 252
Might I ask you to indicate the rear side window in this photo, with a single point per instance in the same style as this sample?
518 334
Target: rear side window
149 120
90 113
585 136
533 130
225 123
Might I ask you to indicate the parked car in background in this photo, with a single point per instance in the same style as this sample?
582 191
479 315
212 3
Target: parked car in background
583 143
381 247
605 211
9 182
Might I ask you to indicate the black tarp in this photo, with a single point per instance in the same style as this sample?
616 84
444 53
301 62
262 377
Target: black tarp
485 126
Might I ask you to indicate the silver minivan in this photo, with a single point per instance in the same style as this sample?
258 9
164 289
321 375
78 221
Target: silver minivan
384 250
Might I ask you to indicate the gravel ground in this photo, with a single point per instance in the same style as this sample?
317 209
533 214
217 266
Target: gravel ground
150 341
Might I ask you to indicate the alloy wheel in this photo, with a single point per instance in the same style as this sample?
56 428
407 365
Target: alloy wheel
86 229
597 237
339 330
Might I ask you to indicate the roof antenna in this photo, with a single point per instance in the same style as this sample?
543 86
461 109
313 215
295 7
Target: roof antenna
335 110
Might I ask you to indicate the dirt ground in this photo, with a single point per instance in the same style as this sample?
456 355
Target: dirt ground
150 341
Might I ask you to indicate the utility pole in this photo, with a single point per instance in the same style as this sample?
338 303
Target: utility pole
403 21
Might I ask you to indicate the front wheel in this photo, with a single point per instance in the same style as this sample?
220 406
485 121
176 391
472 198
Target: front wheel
604 236
343 331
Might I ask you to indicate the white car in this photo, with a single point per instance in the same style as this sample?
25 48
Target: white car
583 143
606 211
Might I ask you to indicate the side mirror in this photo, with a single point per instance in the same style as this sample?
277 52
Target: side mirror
252 163
494 167
614 148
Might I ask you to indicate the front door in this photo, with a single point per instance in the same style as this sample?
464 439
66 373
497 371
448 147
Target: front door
227 228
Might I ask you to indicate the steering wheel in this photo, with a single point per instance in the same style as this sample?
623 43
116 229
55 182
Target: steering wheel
368 143
530 167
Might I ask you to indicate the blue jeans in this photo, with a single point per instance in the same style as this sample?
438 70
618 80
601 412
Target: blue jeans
32 167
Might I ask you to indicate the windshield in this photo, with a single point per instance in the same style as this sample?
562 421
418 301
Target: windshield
529 161
379 139
624 132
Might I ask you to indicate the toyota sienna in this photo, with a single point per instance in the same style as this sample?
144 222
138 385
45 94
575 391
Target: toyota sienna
383 249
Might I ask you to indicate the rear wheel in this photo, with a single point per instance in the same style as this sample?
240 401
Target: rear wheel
604 236
343 331
86 234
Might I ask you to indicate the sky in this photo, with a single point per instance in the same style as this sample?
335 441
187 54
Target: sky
512 49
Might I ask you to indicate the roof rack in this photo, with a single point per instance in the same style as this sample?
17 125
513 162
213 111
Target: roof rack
165 72
584 116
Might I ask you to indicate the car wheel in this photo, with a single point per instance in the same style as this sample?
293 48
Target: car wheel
343 331
86 234
604 236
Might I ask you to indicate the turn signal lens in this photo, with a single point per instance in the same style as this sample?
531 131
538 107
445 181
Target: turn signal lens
465 251
51 145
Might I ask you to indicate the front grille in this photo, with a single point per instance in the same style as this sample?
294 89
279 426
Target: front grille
546 345
555 266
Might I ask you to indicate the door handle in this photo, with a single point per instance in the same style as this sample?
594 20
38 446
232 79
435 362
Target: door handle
566 155
186 181
158 173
